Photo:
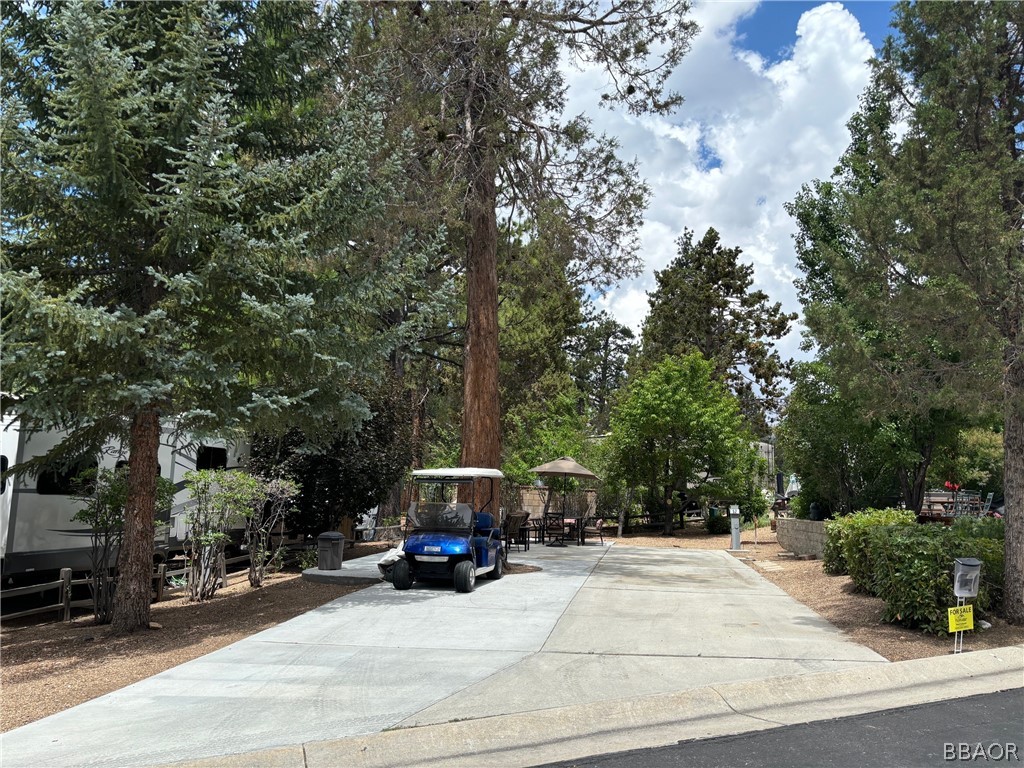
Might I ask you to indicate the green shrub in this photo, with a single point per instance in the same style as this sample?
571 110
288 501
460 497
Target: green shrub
981 527
832 560
909 573
799 507
717 523
845 542
308 558
753 504
992 553
763 521
913 572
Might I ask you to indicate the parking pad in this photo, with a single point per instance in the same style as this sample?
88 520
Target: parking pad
588 626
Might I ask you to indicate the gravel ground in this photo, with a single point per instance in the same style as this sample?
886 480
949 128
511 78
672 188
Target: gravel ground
48 667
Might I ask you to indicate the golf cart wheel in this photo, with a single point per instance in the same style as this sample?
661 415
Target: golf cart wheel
401 575
465 576
498 570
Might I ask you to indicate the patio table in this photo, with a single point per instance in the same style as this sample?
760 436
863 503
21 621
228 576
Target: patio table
574 528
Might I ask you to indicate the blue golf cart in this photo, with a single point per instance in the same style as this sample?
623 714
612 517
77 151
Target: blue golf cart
447 538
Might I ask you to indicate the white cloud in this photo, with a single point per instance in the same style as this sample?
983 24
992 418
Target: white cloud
628 305
771 126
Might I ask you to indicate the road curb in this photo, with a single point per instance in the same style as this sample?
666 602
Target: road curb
344 577
573 732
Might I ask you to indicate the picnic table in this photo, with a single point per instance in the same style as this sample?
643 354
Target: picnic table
945 506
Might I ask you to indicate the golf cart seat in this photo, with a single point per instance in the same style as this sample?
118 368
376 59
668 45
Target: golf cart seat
485 525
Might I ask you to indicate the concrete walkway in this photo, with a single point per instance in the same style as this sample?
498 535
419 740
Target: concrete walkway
605 648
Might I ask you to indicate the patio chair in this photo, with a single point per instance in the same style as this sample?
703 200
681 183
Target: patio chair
967 503
516 531
555 530
594 527
534 526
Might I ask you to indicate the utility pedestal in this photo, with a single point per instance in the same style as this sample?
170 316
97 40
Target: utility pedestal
734 521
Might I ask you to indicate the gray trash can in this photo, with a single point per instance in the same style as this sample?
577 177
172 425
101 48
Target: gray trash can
329 547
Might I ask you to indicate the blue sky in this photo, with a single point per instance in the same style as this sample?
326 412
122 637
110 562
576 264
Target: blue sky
768 89
771 28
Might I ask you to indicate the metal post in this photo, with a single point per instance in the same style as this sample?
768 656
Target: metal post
966 580
65 592
958 637
161 579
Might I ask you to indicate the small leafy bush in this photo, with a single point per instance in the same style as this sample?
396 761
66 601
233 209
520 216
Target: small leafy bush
717 524
913 572
799 507
104 493
981 527
221 499
268 506
761 521
909 573
308 558
845 542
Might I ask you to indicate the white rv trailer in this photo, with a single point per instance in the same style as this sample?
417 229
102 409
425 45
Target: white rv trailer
36 530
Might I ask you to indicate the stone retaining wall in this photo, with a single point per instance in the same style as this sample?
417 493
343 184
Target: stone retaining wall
802 537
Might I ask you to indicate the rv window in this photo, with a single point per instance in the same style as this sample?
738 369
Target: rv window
3 474
123 463
211 458
52 482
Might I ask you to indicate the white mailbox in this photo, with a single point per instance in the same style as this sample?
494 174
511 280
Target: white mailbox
966 576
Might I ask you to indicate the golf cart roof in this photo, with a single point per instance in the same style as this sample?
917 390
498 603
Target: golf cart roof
456 473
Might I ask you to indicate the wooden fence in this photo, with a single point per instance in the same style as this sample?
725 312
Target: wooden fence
162 574
64 602
65 584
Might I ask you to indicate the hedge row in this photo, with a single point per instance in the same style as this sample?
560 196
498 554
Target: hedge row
910 566
845 541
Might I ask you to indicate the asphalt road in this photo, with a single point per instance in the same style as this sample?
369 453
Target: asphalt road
978 730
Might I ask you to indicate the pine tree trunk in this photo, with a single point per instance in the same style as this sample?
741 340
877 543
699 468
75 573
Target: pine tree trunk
135 562
1013 484
418 400
481 433
481 439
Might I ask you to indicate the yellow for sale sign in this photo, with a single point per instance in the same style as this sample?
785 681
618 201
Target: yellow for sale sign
961 618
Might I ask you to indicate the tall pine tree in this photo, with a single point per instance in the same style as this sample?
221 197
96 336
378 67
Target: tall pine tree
483 86
933 195
188 222
703 303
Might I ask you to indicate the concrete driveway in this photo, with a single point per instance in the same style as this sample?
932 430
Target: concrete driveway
597 623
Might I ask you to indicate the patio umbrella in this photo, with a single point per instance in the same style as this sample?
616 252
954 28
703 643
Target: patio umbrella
564 467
